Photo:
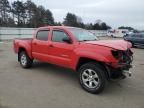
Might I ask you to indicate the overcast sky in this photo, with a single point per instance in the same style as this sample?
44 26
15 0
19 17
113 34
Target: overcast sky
114 12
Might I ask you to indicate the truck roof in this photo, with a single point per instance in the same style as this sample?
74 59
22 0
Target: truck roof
58 27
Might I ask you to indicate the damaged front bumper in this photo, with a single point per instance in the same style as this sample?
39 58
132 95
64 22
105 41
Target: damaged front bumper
120 67
120 72
126 70
127 73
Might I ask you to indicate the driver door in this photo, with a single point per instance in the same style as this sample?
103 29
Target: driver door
60 51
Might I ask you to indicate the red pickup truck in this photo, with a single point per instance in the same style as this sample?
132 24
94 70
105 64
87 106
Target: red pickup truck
95 60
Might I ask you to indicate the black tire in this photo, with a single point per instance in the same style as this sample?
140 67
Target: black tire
101 78
28 62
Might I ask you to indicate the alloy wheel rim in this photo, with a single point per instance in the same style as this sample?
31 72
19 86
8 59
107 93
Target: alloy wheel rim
23 60
90 78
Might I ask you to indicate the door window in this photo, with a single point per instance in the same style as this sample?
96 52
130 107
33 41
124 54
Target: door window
58 36
42 35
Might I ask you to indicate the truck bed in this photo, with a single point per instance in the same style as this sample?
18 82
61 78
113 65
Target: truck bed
22 43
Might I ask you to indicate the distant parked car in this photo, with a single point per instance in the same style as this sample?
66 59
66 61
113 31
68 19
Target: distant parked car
137 39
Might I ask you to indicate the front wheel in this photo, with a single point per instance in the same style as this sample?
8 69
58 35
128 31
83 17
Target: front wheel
92 78
25 60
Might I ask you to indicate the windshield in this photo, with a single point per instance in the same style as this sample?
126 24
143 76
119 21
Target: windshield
83 35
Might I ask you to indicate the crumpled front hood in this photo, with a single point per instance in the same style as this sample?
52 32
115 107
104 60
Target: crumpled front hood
116 44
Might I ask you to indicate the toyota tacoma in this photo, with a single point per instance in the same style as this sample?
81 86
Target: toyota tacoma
96 61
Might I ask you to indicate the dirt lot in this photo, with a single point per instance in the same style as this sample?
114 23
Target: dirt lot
49 86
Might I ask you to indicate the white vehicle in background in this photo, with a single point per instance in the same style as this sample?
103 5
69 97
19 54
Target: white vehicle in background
118 32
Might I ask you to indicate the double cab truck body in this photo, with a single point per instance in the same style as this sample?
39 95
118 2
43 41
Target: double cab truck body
77 49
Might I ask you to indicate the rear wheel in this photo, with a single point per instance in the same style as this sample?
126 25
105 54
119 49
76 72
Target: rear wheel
25 61
92 78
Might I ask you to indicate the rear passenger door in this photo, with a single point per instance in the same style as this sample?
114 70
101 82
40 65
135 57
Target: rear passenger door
141 39
40 45
134 39
138 39
60 51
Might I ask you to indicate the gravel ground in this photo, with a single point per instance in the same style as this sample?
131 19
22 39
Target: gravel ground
49 86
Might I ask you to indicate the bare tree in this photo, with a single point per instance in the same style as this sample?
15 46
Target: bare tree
4 10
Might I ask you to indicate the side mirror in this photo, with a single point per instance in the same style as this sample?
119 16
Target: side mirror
67 40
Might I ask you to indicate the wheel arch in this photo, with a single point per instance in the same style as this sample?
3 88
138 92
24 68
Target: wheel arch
19 51
83 60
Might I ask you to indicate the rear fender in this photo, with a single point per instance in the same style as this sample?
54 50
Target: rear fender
27 49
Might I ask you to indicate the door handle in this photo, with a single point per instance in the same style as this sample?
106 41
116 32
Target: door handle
51 46
35 43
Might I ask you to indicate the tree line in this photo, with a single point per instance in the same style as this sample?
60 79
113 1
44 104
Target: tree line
28 14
